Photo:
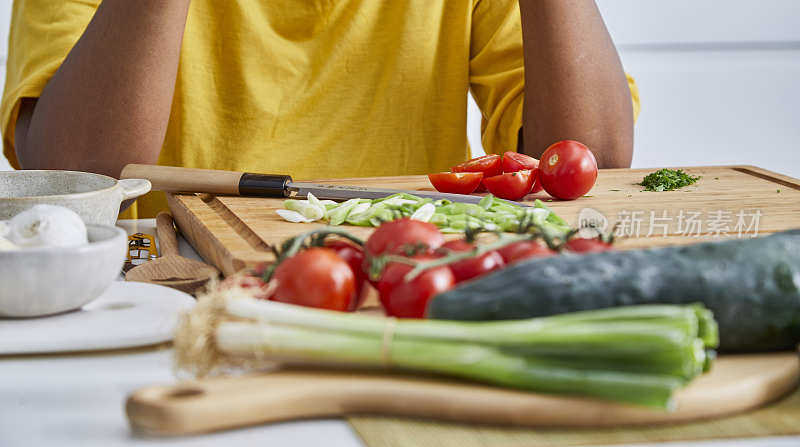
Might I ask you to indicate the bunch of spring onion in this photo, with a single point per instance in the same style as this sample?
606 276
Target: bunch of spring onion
490 214
637 354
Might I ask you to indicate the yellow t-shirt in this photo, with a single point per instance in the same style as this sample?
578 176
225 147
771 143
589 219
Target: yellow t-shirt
312 88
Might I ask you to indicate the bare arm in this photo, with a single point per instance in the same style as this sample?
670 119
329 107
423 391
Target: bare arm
574 82
109 103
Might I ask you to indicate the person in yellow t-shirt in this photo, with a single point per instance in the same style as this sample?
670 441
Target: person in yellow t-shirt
312 88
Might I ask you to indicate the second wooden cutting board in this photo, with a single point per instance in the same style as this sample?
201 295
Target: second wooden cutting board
736 383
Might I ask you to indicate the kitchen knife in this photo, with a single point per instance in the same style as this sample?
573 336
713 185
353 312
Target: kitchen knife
174 179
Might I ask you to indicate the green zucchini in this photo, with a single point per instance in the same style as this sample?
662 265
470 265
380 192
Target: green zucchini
752 286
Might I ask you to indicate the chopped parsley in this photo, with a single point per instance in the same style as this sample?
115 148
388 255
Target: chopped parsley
667 180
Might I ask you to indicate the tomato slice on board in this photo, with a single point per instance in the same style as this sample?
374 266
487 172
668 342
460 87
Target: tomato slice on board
510 186
537 181
490 165
514 161
568 170
456 182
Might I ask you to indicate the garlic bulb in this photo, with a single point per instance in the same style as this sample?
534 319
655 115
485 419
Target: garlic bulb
5 244
47 226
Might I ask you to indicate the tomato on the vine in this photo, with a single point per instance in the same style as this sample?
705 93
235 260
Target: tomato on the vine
518 251
475 266
401 235
315 277
512 185
514 161
568 170
490 165
409 299
585 245
456 182
353 255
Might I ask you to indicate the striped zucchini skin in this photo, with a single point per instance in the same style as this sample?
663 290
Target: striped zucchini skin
751 285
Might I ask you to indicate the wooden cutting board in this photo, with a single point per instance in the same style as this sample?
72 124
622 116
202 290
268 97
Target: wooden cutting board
736 384
233 232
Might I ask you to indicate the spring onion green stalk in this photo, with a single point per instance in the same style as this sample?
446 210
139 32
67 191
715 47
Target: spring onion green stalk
638 354
491 214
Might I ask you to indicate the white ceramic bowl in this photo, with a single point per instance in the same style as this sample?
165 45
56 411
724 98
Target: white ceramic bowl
43 281
96 198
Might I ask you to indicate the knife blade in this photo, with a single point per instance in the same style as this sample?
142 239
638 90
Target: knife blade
345 192
191 180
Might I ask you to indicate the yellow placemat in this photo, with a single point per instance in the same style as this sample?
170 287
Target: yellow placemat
779 419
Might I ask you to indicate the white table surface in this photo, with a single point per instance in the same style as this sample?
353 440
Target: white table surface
78 399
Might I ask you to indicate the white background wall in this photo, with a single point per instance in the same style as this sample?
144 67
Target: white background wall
720 80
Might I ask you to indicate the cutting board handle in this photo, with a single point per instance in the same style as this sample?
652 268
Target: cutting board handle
735 384
215 404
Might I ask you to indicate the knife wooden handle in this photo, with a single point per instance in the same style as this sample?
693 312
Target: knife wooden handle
175 179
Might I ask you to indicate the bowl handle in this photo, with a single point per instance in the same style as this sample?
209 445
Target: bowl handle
134 187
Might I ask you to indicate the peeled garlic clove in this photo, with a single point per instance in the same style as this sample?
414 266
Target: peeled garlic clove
47 226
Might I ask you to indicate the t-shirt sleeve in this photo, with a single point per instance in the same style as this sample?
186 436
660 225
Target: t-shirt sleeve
42 34
497 73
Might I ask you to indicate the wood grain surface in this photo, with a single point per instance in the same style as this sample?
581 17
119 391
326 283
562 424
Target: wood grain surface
232 232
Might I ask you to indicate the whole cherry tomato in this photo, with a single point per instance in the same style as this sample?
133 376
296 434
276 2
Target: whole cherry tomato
472 267
409 299
397 236
514 161
518 251
512 185
584 245
456 182
568 170
353 255
315 277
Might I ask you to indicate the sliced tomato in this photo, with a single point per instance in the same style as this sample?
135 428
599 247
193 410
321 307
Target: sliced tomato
514 161
524 250
490 165
472 267
537 181
456 182
510 186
